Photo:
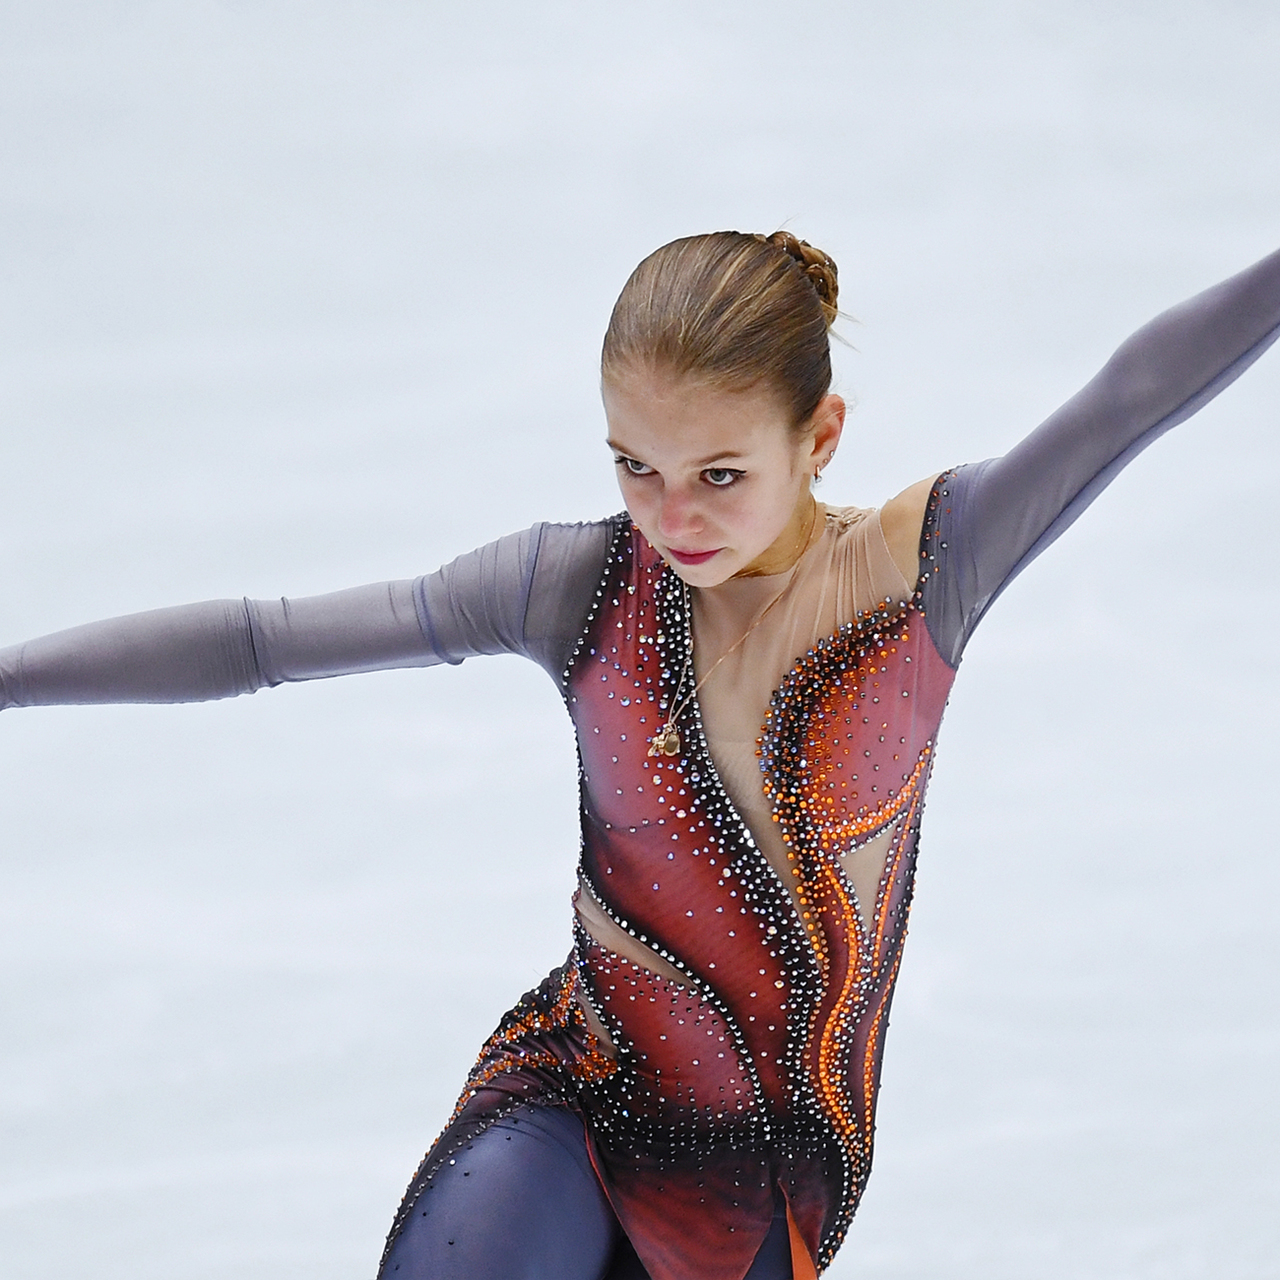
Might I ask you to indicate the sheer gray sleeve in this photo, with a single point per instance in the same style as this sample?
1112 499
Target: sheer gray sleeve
995 517
528 593
545 578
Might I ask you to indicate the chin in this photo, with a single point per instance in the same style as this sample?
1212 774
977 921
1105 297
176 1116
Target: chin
711 574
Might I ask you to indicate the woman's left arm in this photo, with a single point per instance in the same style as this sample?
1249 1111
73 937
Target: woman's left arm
998 515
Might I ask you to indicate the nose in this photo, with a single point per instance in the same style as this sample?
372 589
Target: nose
680 516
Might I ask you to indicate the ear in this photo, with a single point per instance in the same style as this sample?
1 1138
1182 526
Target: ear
825 429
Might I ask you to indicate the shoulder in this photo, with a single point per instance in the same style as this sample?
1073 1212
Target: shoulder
846 519
558 544
901 519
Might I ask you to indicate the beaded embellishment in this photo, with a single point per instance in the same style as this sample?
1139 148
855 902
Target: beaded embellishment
759 1067
798 996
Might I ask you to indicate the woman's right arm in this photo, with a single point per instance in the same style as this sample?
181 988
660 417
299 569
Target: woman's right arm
527 593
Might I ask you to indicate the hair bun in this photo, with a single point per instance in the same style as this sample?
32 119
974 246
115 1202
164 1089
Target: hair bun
733 311
817 267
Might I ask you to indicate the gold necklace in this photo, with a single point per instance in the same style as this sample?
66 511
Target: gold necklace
666 742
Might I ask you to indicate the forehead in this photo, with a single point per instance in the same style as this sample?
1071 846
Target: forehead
680 417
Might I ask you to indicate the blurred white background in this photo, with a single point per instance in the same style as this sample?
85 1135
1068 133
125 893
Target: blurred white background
296 296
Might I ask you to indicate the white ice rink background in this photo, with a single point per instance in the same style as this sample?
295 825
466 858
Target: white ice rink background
298 296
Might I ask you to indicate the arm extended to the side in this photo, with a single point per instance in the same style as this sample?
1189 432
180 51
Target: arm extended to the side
1000 514
512 596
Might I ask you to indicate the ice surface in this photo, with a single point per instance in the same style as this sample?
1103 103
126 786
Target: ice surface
299 296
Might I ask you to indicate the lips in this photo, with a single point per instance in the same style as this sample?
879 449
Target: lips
692 557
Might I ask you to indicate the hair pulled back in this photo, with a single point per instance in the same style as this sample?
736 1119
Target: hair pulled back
734 311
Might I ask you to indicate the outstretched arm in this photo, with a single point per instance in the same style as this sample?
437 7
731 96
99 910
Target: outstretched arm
998 515
527 593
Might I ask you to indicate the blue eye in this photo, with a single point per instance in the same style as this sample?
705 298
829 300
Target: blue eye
721 477
632 467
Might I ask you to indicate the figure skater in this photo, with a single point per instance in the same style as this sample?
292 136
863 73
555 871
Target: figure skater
756 682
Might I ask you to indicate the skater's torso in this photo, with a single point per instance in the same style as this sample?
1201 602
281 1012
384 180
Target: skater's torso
849 570
744 891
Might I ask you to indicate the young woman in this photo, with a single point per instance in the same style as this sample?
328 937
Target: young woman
756 683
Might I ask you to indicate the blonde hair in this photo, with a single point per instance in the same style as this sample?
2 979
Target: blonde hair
734 311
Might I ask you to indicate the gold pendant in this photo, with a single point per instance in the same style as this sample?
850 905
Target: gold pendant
666 742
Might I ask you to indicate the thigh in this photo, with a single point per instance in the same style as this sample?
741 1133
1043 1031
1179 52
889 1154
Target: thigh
520 1202
772 1262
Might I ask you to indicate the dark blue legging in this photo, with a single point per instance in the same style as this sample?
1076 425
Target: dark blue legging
522 1202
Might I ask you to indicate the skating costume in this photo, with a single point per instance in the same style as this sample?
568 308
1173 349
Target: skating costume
719 1024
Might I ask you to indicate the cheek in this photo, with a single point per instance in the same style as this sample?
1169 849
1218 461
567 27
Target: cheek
746 511
629 486
767 508
640 499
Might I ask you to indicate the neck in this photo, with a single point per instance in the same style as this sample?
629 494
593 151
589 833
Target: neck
787 548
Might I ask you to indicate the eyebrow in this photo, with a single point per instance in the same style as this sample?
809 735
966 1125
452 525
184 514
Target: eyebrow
729 455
